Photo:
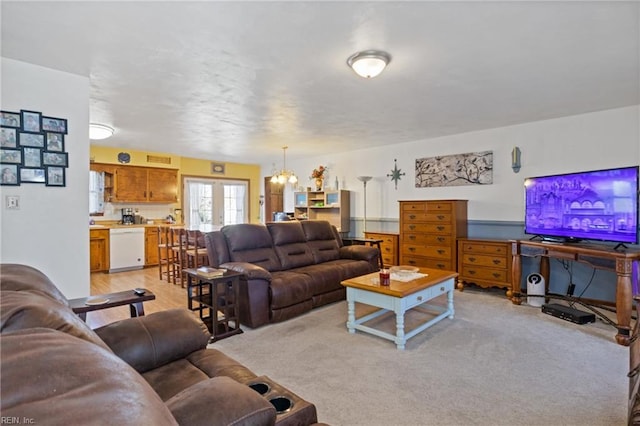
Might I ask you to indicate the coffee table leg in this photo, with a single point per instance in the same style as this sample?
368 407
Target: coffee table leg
400 340
351 310
450 303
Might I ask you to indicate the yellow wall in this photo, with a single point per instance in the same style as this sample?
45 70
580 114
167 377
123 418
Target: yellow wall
189 167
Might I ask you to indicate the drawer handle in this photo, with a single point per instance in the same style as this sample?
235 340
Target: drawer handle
440 239
496 261
412 227
440 266
412 237
387 249
496 275
411 262
419 298
412 216
412 249
440 251
441 288
441 217
472 259
440 228
472 272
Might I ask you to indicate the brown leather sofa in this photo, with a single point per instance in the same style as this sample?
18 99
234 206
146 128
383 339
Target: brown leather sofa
288 268
150 370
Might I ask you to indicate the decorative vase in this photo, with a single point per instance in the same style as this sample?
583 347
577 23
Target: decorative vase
319 184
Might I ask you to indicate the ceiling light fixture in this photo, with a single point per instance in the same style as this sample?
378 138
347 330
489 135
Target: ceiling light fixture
100 131
284 175
369 63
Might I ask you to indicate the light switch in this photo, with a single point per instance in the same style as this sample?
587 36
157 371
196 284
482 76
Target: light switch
13 202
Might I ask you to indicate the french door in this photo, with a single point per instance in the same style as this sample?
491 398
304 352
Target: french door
215 202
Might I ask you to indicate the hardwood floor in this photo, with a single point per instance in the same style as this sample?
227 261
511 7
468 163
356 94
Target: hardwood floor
168 295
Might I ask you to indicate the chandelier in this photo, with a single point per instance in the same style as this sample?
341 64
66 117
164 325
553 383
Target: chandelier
284 175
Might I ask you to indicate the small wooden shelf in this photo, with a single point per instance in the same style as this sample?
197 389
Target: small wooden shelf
332 206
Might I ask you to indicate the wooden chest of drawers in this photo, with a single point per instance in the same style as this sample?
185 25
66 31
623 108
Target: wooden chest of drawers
388 246
486 263
428 232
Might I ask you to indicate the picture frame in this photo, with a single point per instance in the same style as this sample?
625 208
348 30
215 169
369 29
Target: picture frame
10 119
52 124
10 156
9 175
60 159
54 142
31 139
55 176
31 157
32 175
31 121
8 137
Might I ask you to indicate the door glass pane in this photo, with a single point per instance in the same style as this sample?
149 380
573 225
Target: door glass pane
200 203
234 204
215 202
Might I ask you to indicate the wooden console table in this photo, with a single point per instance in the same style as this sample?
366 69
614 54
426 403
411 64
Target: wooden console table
599 257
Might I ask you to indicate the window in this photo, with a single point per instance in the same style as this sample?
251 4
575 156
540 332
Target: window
215 202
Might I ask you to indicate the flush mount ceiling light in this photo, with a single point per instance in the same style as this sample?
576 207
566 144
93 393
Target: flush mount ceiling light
284 175
369 63
99 131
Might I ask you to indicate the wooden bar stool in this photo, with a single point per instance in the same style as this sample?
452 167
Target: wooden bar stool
196 253
165 253
179 247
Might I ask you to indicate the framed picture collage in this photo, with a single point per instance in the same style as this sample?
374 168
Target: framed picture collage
32 149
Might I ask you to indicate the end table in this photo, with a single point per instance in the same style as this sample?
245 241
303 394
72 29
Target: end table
216 300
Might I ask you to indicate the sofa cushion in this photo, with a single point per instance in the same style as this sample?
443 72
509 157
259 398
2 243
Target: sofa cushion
290 244
321 240
18 277
217 251
21 310
53 378
324 277
251 243
289 288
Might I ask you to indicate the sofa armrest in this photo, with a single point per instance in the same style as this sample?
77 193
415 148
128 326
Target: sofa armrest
221 401
157 339
251 271
360 252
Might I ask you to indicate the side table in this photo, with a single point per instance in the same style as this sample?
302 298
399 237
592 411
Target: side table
217 302
373 242
80 306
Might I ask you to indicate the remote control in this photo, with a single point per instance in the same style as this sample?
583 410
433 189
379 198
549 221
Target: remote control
139 291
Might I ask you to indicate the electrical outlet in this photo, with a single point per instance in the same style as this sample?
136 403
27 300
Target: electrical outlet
12 202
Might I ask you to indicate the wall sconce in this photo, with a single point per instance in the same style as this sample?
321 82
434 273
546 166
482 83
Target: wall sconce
515 159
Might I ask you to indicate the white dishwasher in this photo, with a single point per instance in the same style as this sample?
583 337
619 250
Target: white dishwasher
126 249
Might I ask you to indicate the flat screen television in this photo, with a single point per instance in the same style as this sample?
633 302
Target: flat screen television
592 205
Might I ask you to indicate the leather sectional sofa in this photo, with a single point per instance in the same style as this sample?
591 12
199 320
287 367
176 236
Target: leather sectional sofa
288 268
150 370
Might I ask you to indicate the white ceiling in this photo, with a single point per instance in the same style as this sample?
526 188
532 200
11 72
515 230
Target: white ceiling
235 81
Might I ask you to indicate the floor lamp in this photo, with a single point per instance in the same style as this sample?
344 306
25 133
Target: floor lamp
364 180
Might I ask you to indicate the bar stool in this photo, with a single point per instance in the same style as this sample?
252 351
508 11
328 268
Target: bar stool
196 252
165 253
179 248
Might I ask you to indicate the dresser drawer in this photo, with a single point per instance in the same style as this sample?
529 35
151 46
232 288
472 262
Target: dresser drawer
427 228
438 206
440 252
389 260
426 217
483 248
489 274
485 260
418 206
428 263
424 239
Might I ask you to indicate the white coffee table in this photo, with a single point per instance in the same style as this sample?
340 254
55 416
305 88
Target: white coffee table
399 297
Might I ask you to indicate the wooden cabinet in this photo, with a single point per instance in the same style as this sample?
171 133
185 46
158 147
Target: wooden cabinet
428 232
273 198
151 246
145 185
332 206
388 246
486 263
98 250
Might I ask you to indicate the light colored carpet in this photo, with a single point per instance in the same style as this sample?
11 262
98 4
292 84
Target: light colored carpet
493 364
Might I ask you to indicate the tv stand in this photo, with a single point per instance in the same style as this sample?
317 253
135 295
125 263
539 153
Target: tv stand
607 258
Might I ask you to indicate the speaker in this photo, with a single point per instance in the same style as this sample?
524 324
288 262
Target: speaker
535 289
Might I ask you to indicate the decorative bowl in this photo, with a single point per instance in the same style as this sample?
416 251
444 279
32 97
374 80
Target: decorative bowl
404 271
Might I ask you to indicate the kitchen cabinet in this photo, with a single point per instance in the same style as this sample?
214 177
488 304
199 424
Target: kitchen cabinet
428 232
332 206
98 250
486 263
145 185
151 246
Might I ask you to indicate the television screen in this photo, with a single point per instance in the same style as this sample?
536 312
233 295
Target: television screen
594 205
